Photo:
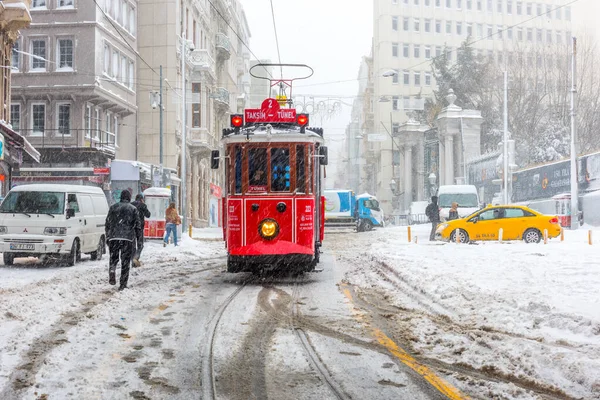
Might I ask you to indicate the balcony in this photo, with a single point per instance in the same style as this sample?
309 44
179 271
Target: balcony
74 139
201 61
221 98
223 45
201 141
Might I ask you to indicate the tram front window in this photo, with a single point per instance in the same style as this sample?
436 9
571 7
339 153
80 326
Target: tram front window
257 168
280 169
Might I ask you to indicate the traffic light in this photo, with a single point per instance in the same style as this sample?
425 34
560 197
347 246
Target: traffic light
237 121
302 121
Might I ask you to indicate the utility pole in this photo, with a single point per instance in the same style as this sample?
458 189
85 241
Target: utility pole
505 142
160 104
183 130
574 186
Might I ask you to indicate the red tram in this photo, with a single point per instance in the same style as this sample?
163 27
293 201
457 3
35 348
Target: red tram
272 206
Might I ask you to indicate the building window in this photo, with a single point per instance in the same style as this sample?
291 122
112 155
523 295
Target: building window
394 49
559 13
124 70
539 35
15 61
131 74
396 77
87 120
395 103
427 25
428 52
115 64
110 136
480 30
394 23
40 4
115 137
65 54
417 24
489 6
448 27
448 3
38 51
427 78
417 78
568 13
520 34
509 5
558 37
438 51
405 51
529 9
406 77
548 36
539 9
132 21
64 119
405 24
479 5
490 31
529 34
417 50
124 16
500 31
97 127
106 68
65 4
438 26
469 4
459 28
459 4
470 29
15 117
38 119
499 5
519 8
196 106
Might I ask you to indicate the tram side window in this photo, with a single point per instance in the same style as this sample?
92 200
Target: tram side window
280 169
257 167
300 170
238 169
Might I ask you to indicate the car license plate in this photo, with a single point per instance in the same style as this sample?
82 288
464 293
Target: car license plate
22 246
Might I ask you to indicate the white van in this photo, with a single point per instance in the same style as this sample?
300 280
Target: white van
53 220
465 195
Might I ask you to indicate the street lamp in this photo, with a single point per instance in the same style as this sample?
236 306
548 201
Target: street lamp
394 186
432 184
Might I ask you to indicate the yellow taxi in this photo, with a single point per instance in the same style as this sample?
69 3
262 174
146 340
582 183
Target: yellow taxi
516 222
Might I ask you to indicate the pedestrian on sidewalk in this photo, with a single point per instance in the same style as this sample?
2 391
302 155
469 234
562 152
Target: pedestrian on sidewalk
433 213
143 213
172 220
122 227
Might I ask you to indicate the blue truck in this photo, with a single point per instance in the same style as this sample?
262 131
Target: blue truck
344 209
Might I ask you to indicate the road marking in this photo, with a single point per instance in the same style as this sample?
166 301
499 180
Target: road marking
429 375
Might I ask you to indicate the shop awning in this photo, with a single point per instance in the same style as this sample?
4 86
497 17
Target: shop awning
17 141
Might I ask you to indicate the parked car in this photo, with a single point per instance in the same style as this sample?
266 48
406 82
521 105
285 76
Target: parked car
61 221
516 222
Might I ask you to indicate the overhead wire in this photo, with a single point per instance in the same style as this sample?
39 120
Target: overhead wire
276 37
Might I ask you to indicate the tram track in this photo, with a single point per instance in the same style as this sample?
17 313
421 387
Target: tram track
313 356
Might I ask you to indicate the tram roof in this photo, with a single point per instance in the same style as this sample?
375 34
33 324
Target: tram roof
276 133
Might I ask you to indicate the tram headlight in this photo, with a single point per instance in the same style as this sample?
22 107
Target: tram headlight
268 229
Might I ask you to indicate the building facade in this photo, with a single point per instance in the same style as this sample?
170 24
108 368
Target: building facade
14 16
216 84
74 93
409 33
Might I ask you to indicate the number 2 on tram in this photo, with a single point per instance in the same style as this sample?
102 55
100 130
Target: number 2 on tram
272 206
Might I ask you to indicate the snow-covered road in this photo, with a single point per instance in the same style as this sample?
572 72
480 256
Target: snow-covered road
493 320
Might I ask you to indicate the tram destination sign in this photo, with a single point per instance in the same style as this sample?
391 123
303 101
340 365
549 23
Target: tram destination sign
270 112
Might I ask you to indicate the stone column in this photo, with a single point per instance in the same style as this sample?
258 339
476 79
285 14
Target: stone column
442 162
449 160
408 173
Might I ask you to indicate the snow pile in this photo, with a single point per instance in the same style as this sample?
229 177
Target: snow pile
526 311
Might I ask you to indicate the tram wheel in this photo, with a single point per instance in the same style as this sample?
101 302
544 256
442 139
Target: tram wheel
232 266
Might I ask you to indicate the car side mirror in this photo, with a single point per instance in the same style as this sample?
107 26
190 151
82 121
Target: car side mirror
324 160
474 220
70 213
214 159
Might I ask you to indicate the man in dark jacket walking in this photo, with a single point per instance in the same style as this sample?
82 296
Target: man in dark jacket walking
122 228
433 213
143 213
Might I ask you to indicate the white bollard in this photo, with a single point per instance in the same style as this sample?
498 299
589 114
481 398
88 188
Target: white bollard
500 233
545 236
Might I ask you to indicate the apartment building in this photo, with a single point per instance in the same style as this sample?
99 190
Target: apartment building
409 33
216 85
14 16
74 93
